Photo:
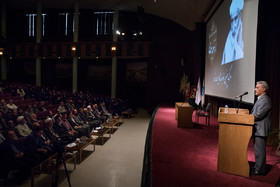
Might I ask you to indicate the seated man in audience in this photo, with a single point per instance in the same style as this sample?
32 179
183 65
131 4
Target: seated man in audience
104 110
35 108
51 134
61 108
20 159
3 106
28 112
62 131
51 115
98 114
69 106
80 121
77 118
32 120
13 116
11 106
3 124
82 129
92 120
42 107
11 127
20 111
46 141
35 145
22 127
67 125
84 117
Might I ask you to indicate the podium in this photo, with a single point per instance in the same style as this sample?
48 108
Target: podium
235 131
183 113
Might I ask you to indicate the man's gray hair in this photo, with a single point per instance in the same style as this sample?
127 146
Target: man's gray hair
264 85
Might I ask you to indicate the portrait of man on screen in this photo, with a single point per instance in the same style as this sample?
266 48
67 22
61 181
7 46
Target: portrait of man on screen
234 46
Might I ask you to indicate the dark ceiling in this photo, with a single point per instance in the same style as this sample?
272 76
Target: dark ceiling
184 12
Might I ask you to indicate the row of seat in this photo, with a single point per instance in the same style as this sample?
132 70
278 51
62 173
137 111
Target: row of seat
49 165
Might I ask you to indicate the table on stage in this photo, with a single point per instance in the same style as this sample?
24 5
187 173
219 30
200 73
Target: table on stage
183 113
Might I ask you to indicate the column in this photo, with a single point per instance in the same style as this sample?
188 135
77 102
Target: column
38 41
114 57
3 36
75 40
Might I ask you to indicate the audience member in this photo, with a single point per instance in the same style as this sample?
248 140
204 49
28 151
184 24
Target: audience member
21 92
61 108
69 106
22 128
19 159
3 106
51 115
11 106
32 120
13 116
3 125
28 112
36 145
67 125
61 130
98 114
50 132
104 110
35 108
42 107
92 121
82 129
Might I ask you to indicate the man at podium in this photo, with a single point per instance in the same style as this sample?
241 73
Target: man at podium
262 114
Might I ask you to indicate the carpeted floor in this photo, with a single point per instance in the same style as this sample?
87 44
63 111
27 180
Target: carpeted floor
188 157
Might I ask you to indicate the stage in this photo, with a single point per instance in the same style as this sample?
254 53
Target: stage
188 156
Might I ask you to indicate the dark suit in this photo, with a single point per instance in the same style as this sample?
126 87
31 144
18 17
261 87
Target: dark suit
262 113
63 133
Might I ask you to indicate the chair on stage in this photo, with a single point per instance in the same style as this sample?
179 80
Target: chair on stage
203 113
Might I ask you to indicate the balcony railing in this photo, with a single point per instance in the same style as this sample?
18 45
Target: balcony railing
80 49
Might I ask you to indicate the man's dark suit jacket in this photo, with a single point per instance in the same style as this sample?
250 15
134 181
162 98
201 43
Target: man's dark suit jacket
262 113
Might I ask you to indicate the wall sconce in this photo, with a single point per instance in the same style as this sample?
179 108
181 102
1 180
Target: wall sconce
113 48
73 48
1 51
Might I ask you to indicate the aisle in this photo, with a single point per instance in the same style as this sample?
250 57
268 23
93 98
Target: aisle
119 161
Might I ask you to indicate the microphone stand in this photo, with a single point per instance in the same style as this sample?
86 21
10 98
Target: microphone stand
239 103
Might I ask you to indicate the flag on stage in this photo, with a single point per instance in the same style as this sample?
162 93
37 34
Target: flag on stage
203 93
198 93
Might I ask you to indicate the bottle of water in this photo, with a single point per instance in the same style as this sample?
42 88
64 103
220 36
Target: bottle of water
226 109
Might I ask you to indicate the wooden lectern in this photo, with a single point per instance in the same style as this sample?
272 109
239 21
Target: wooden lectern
183 113
235 131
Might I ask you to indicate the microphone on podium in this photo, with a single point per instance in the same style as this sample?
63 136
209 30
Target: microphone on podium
240 96
245 93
